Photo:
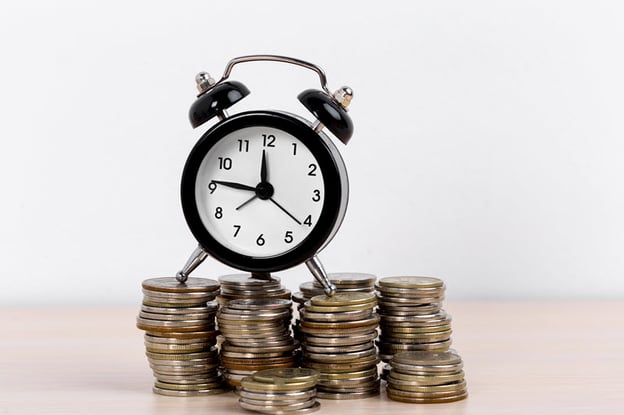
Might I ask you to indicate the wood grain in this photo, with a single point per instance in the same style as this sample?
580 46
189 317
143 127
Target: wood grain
520 358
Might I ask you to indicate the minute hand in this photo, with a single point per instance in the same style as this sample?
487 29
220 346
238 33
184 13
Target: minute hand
233 185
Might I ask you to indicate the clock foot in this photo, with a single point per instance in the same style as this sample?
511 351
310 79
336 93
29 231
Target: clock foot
196 258
265 276
317 270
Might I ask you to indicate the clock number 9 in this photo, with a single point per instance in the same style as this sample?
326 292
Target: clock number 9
212 187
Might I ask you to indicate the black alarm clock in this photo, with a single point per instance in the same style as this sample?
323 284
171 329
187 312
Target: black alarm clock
263 191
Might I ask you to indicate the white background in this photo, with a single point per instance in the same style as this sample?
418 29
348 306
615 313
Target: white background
488 148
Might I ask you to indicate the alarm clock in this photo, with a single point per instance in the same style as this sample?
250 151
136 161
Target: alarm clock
265 190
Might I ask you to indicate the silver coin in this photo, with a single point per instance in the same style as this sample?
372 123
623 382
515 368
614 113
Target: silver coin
279 396
404 301
284 405
177 348
272 411
226 346
368 387
353 279
150 338
340 341
340 357
246 279
338 349
209 307
348 396
269 407
176 317
190 379
335 317
184 370
170 284
358 381
204 392
260 304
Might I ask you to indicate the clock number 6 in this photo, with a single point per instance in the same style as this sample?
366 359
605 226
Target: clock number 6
260 241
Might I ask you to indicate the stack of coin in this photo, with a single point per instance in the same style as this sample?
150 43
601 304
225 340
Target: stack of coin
426 377
280 391
343 281
412 318
338 342
180 338
249 286
256 336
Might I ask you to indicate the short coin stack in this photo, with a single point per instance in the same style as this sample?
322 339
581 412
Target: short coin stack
180 338
411 314
247 286
343 281
426 377
280 391
256 336
338 342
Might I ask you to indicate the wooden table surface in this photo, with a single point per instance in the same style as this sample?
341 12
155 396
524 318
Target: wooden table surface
520 358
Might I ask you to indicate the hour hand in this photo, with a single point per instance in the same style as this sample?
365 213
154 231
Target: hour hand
233 185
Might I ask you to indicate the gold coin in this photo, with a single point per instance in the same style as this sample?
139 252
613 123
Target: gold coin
410 282
348 375
406 399
203 392
250 384
343 299
427 358
338 309
427 380
408 386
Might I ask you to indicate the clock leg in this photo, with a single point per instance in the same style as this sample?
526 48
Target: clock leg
316 268
196 258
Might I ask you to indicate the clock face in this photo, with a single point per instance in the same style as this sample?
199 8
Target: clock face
259 191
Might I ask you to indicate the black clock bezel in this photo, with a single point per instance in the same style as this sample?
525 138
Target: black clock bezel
332 188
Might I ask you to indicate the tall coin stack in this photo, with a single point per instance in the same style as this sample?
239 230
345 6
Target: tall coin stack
256 336
280 391
339 333
180 338
343 281
412 318
426 377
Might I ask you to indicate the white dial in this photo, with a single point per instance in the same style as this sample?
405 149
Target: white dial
259 191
